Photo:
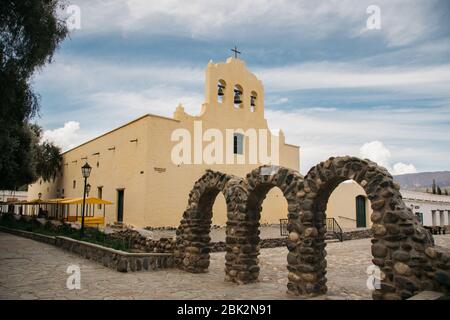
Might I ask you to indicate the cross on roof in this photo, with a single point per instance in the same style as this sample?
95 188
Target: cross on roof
236 52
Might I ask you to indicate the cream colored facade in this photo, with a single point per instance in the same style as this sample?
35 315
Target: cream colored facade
137 157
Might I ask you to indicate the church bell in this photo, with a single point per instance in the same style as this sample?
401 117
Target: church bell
220 90
237 97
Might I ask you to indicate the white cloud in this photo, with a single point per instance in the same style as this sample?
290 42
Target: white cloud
377 152
65 137
401 168
403 21
320 75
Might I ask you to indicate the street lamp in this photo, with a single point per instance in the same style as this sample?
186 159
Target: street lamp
85 171
39 204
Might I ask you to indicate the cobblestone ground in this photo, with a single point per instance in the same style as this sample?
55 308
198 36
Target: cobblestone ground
33 270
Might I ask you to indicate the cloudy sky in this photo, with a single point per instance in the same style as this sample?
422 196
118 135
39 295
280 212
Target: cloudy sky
333 85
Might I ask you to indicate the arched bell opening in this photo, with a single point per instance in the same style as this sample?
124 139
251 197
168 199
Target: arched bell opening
221 89
253 101
238 94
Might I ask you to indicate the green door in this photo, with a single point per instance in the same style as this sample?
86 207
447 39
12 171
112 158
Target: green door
360 212
120 194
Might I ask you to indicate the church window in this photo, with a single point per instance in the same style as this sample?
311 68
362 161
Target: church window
238 143
74 184
238 92
221 85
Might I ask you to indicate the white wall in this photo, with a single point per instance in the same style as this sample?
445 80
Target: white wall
426 208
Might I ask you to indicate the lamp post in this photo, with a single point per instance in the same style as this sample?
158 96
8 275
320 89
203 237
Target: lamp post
39 206
86 171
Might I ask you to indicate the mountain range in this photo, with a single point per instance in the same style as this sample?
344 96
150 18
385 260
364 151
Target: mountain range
424 180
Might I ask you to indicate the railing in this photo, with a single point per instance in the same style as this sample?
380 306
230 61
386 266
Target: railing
334 227
331 224
283 227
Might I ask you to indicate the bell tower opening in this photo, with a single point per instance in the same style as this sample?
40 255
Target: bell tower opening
238 92
221 86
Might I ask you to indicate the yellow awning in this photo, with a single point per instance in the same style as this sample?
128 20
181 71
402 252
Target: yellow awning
58 200
89 200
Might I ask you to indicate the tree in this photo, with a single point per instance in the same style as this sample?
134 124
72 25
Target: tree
433 187
446 192
49 161
438 190
30 32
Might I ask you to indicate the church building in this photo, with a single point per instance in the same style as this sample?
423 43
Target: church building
148 166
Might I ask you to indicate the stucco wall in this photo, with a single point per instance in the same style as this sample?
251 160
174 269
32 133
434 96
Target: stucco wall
342 205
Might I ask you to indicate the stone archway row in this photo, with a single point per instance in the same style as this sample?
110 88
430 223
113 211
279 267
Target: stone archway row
401 247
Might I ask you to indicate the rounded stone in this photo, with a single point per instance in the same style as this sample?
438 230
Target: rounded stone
401 255
378 204
401 268
376 216
378 229
309 277
294 236
293 277
310 232
379 250
430 252
292 258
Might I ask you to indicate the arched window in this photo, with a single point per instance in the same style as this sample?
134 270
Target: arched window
238 92
221 85
253 101
360 212
238 143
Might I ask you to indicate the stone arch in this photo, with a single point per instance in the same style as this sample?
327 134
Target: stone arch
399 241
243 224
192 252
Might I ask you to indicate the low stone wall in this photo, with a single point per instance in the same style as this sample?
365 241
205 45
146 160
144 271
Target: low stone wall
221 246
357 234
115 259
144 244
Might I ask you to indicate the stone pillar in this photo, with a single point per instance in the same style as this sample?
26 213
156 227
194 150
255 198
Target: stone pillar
196 245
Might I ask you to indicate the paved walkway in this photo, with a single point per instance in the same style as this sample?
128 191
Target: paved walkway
33 270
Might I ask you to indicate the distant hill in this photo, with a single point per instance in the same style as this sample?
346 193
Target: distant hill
423 180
